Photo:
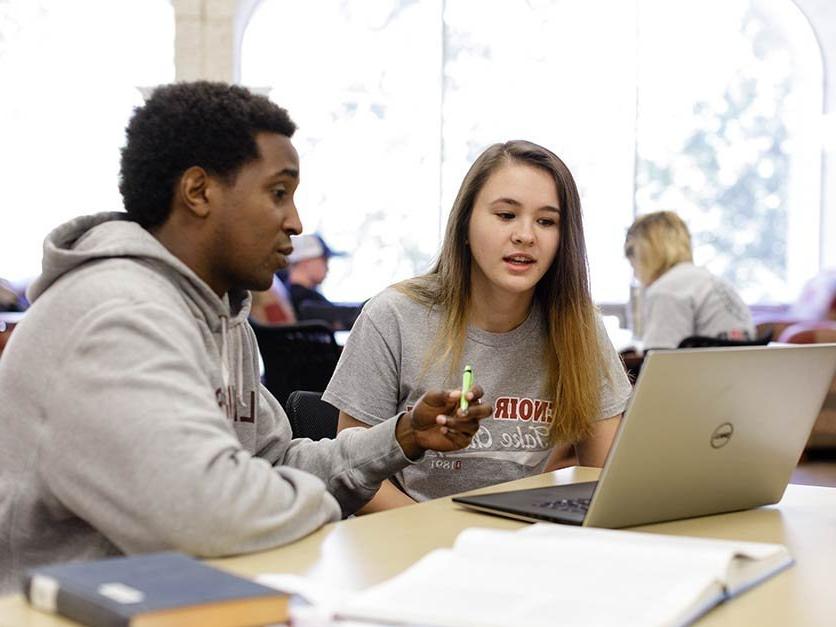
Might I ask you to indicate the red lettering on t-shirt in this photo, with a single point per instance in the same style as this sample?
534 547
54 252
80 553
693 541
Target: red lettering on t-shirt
501 410
540 407
512 410
526 407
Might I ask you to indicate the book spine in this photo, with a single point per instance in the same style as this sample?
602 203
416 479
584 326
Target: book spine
46 594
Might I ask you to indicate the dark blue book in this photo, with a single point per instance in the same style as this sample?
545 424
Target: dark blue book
157 589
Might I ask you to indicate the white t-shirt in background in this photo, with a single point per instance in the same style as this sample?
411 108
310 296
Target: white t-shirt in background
688 300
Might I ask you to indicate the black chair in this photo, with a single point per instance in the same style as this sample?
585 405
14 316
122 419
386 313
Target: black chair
310 416
338 315
704 341
633 363
299 356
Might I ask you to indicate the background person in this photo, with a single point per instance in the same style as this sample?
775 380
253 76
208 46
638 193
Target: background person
308 269
272 306
510 296
12 305
680 299
10 299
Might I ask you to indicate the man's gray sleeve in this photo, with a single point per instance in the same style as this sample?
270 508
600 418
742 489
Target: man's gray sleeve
352 465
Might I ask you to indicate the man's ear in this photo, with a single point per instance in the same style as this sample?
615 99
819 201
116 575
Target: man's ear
193 188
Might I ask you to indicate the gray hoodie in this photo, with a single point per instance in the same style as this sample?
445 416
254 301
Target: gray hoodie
133 419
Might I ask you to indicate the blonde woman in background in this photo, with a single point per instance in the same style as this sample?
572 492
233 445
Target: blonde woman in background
509 296
680 299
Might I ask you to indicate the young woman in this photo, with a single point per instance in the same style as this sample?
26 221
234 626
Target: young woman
509 296
679 298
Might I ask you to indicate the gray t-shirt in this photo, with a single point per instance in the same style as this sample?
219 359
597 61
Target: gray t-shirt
688 300
380 374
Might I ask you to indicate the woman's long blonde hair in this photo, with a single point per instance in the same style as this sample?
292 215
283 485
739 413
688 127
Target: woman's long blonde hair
572 354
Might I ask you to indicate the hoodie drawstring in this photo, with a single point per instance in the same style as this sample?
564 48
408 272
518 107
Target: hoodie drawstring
225 351
239 371
239 361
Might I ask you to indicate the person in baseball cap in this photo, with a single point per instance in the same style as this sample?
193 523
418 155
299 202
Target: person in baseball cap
308 269
311 246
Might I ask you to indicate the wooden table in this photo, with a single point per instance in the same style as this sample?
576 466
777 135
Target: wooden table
362 551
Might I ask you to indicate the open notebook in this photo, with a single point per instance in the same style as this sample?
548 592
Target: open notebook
555 574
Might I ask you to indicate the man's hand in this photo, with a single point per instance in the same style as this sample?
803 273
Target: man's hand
437 423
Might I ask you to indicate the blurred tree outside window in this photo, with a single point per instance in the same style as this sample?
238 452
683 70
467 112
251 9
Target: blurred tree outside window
729 98
707 108
712 109
360 79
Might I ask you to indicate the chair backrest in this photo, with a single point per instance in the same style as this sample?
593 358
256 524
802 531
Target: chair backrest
310 416
704 341
633 364
300 356
813 332
337 315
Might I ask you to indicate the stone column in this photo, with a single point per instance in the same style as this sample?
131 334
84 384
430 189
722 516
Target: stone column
204 46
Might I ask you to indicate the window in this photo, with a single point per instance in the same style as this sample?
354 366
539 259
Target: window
708 108
69 73
730 103
361 81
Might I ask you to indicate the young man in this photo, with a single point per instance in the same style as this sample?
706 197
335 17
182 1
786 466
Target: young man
133 418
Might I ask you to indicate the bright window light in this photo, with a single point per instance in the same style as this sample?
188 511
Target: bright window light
707 108
69 73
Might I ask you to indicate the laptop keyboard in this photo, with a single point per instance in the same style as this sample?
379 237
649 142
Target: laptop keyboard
578 506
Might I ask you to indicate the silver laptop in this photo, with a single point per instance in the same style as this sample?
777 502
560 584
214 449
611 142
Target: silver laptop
708 430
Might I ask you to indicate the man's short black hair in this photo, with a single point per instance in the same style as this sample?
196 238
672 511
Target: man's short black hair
211 125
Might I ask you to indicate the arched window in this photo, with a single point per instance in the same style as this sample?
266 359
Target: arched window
730 107
708 108
69 73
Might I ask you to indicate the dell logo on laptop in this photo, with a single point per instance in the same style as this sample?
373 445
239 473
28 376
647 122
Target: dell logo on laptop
722 435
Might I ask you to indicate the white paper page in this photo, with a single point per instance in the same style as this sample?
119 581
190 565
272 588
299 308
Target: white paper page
446 588
620 553
679 543
731 561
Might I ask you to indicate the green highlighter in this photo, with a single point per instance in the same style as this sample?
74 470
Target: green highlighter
467 382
